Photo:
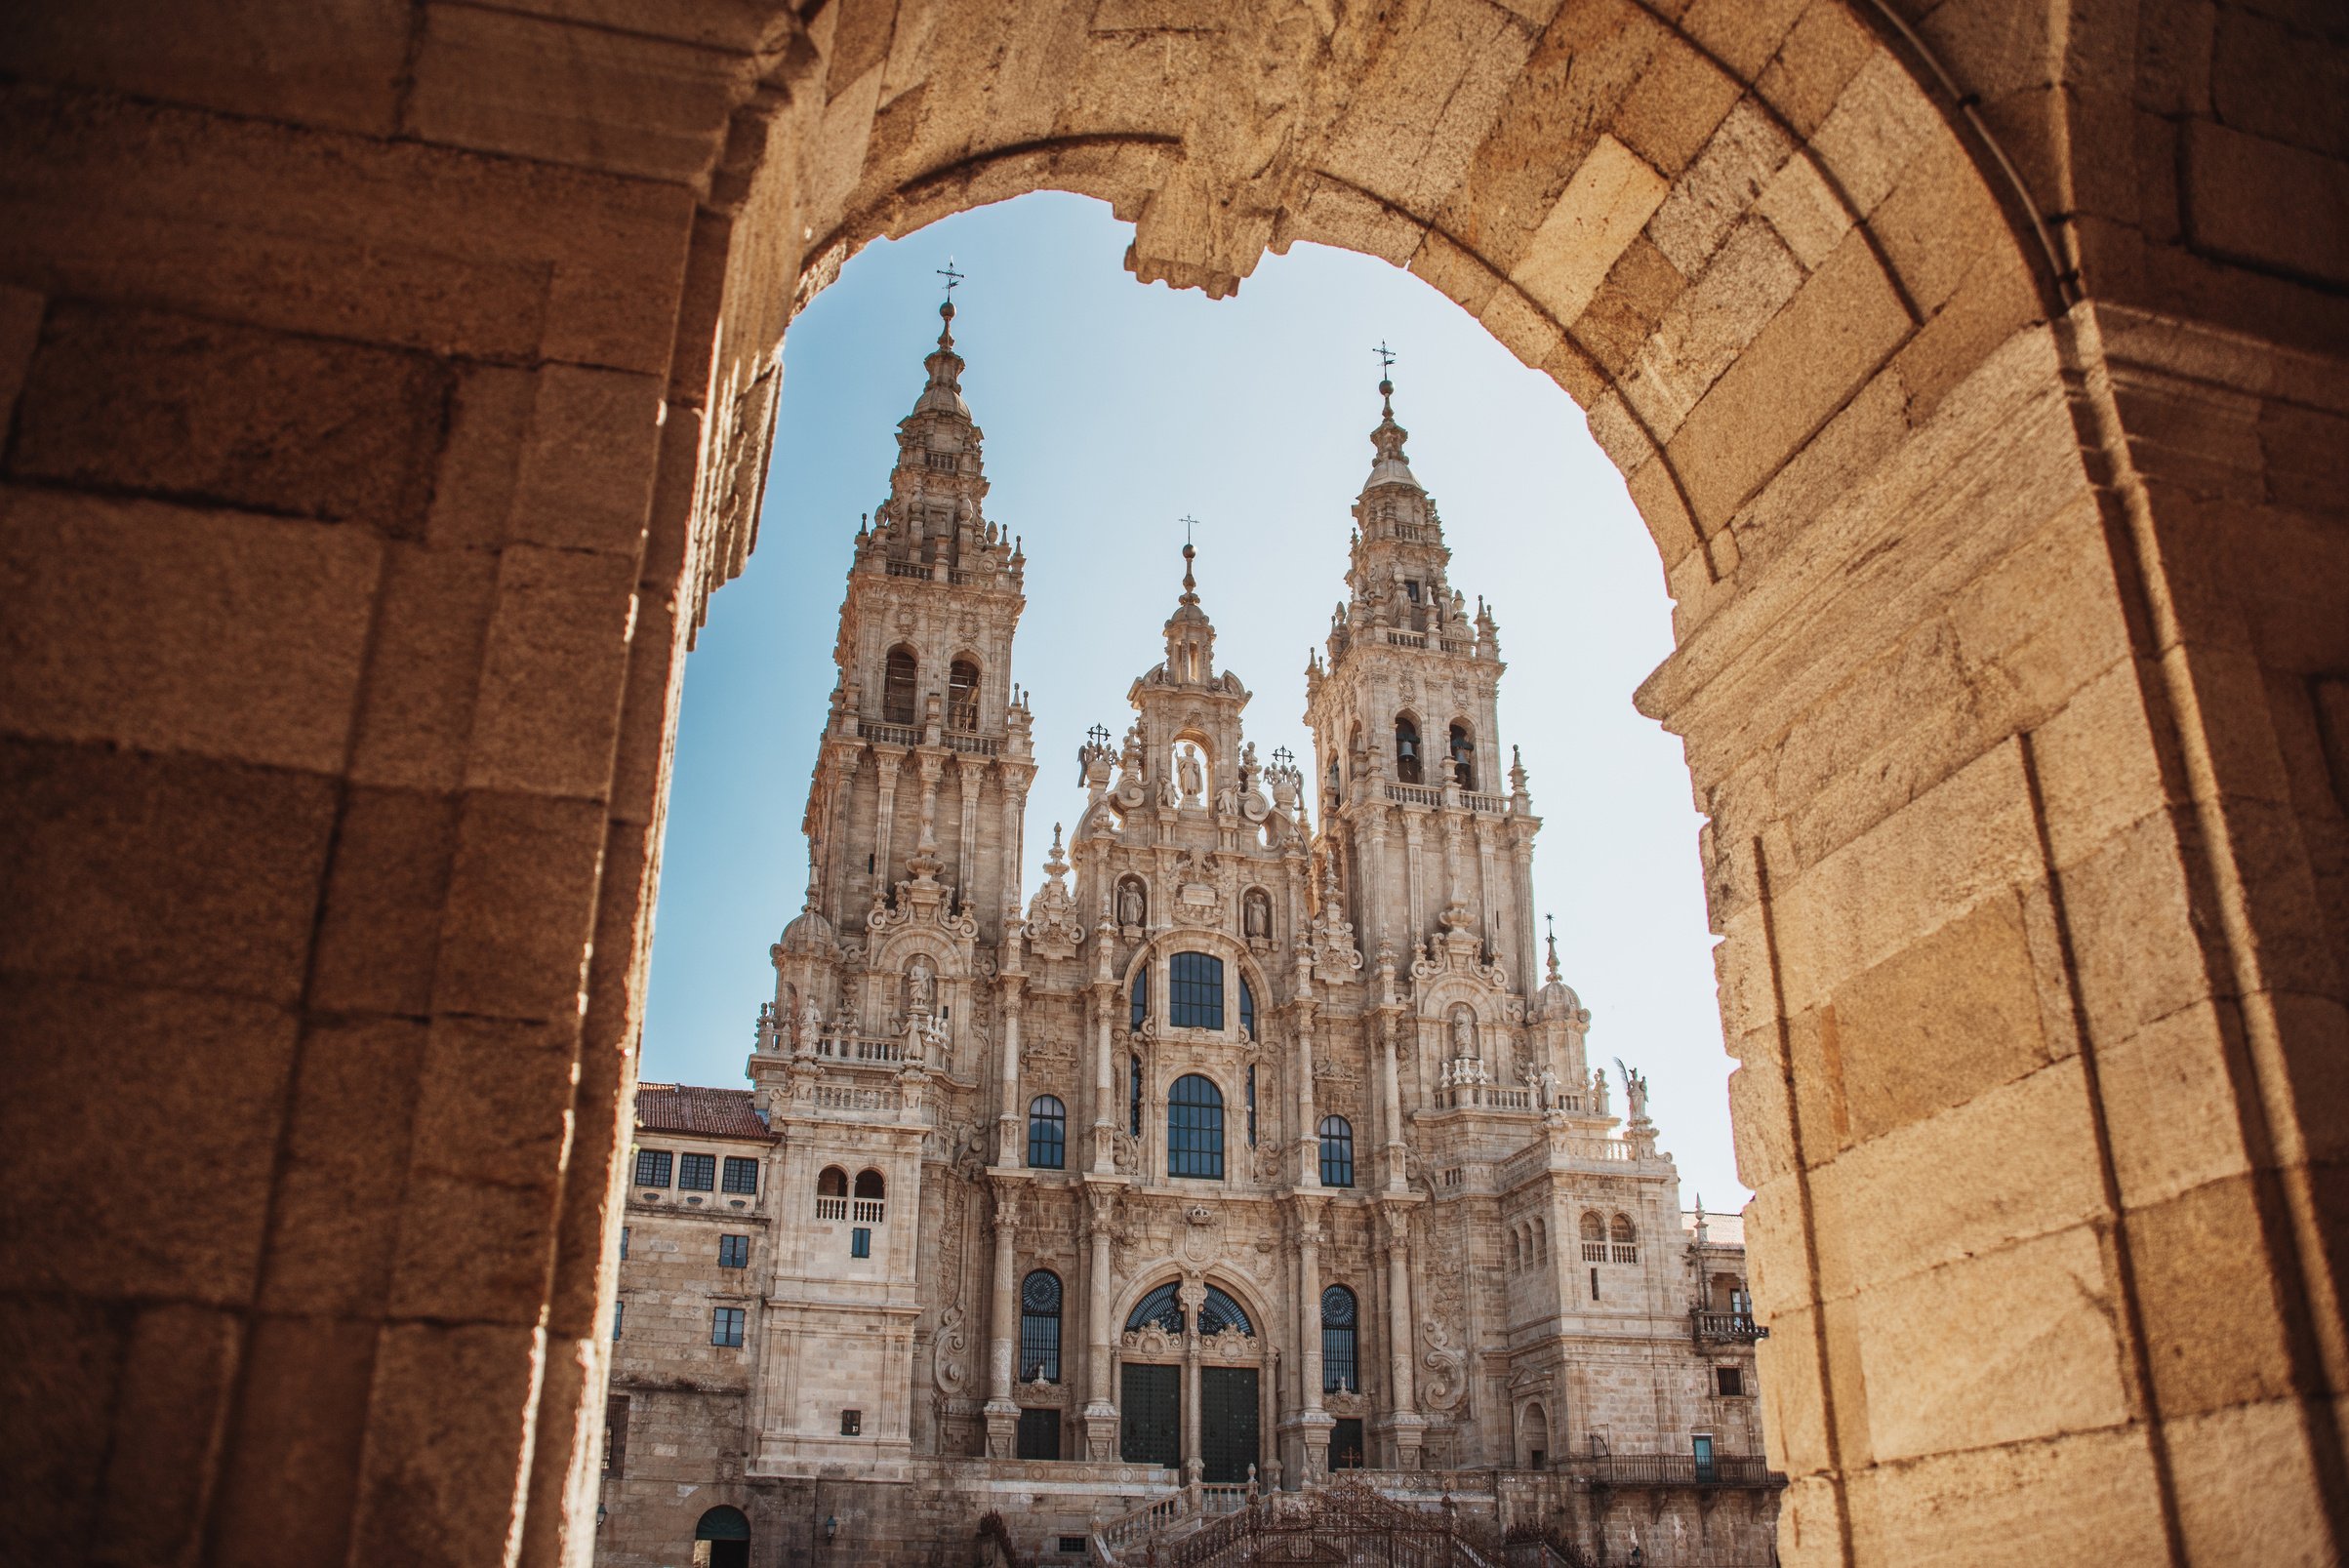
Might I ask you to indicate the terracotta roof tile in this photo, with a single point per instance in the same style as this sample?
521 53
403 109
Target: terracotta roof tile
1721 1229
684 1108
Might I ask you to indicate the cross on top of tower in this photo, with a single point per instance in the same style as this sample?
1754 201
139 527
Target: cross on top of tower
952 277
1386 374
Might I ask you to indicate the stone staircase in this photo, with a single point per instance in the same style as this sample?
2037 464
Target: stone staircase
1346 1522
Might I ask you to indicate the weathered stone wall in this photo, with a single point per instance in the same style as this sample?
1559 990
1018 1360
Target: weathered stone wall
388 385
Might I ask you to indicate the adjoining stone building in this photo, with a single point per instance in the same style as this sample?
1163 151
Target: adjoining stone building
1249 1149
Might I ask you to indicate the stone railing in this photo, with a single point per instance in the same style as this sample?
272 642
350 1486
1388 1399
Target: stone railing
914 568
1729 1328
1525 1162
977 746
878 1051
1672 1469
1134 1527
836 1097
1459 645
1416 794
868 1211
1482 1097
889 734
1406 640
1488 805
1417 532
832 1208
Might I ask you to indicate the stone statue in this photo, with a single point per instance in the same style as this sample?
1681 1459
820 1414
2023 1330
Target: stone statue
1247 764
921 987
1129 903
1634 1091
1227 801
1598 1100
811 1025
1464 1033
1195 782
1257 916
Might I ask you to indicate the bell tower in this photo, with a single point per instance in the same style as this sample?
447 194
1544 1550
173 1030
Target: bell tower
1429 835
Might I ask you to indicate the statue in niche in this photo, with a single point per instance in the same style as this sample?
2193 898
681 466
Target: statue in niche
921 987
1195 782
1464 1033
1130 906
1256 916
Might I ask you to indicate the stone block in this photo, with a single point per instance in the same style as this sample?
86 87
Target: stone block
2019 1161
1637 291
20 335
1819 54
171 630
2097 770
378 937
1585 231
112 853
2215 1332
481 459
1835 460
2038 1320
2236 183
420 1500
337 66
1879 123
494 1099
1458 273
1743 36
1708 326
1656 492
1811 1523
546 717
1997 1502
2269 78
1809 216
336 1219
302 1423
60 1364
1709 200
1936 222
2142 951
137 400
1815 354
188 1157
1672 110
178 1367
522 895
2247 1491
622 103
587 473
474 1251
425 667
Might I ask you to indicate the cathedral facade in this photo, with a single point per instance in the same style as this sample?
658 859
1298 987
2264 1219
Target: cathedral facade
1262 1142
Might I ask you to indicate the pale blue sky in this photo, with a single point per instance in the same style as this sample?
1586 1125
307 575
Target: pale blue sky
1110 411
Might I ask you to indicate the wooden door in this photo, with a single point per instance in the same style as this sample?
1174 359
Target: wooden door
1151 1416
1227 1422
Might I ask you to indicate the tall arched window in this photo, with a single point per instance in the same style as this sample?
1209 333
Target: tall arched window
1194 991
1464 757
1341 1363
896 686
1337 1152
865 1206
962 695
1047 1133
1593 1238
1626 1240
1141 1007
1247 1010
1406 750
1194 1129
1040 1327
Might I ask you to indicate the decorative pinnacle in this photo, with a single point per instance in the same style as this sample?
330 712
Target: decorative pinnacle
1190 584
1552 921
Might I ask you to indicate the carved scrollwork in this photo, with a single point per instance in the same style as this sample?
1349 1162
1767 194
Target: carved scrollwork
1446 1367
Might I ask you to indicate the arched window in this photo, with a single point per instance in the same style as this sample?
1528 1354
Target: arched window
896 686
1516 1252
1626 1240
728 1533
1247 1010
1337 1152
1040 1327
1341 1366
832 1193
1406 750
1194 1129
1194 991
1159 1306
1047 1133
1133 1096
1141 997
1464 757
866 1205
962 695
1252 1105
1593 1238
1219 1312
870 1185
1537 1437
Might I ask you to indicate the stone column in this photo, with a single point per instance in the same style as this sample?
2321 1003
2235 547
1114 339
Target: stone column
1101 1410
1193 1295
884 817
1015 802
966 848
1003 1326
1307 1172
1414 882
1520 869
1403 1422
1009 1150
1391 1025
1105 1080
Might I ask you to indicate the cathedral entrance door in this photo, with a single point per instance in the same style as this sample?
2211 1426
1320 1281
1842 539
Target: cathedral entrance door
1151 1416
1227 1421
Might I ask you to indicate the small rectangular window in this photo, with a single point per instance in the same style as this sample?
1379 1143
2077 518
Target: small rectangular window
620 1311
623 1243
860 1242
852 1422
616 1434
652 1167
734 1252
726 1326
697 1173
742 1175
1729 1382
1702 1449
1073 1543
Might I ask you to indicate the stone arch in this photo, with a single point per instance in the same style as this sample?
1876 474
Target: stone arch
1533 1434
2009 356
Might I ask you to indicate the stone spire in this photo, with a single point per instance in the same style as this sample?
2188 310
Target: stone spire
1189 634
1390 467
944 394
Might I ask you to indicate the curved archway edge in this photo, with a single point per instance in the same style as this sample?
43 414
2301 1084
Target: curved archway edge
1987 424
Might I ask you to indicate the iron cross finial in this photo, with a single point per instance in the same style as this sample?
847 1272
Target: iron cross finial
1189 523
1386 357
952 277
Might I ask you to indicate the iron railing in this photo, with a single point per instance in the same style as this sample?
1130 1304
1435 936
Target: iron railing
1733 1328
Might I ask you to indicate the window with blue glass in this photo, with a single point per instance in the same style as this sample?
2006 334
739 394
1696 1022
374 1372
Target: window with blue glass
697 1173
1219 1312
1337 1152
1194 991
1194 1129
1341 1366
1160 1308
1040 1327
734 1252
742 1175
1141 1007
1248 1009
1047 1133
726 1326
1251 1108
653 1166
860 1242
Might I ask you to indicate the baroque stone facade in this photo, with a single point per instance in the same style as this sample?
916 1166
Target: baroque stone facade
1249 1149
